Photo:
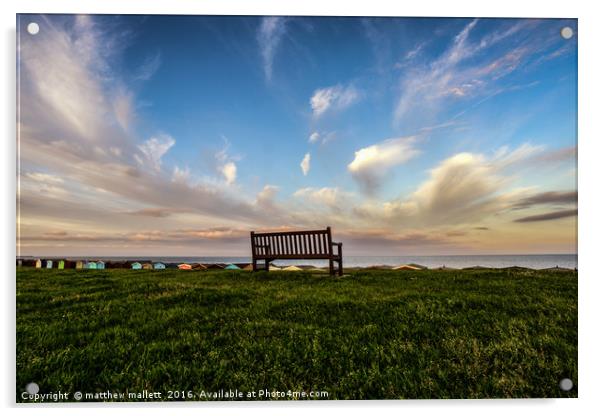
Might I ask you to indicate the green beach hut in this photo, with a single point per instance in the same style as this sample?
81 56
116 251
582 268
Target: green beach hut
90 265
136 266
61 264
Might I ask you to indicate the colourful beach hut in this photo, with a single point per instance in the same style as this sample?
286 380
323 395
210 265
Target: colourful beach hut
293 269
274 268
38 264
198 266
61 264
159 266
90 265
406 267
79 264
136 266
49 264
100 265
147 266
184 266
232 267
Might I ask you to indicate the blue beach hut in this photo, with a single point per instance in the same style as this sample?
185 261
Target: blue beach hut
136 266
159 266
90 265
100 265
49 264
231 267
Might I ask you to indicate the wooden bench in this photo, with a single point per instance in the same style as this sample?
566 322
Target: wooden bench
294 245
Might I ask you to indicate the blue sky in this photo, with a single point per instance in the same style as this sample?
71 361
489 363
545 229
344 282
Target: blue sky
407 135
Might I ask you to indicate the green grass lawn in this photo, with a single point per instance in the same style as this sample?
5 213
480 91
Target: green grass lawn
369 335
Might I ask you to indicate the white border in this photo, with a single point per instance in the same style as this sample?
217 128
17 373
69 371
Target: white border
589 33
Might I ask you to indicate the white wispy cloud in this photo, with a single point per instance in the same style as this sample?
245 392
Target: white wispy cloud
335 98
322 138
149 67
269 36
305 164
372 163
154 148
424 88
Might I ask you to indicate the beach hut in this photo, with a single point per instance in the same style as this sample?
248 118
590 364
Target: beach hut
248 267
159 266
198 266
38 264
184 266
90 265
19 263
292 269
49 264
147 266
100 265
136 266
406 267
213 266
61 264
79 264
232 267
274 268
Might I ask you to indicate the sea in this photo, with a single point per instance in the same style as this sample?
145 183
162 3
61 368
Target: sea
532 261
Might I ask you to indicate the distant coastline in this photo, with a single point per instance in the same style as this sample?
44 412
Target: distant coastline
531 261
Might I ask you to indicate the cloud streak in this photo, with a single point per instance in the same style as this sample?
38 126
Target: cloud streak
269 37
549 216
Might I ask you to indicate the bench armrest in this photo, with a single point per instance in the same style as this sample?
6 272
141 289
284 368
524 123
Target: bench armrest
340 246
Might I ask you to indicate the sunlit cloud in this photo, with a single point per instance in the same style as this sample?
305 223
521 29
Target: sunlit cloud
371 164
305 164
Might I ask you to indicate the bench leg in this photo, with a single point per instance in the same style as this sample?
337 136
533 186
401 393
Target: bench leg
267 265
341 267
331 267
254 265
